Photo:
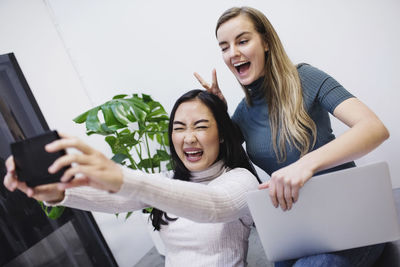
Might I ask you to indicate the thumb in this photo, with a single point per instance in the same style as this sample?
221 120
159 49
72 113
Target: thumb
264 185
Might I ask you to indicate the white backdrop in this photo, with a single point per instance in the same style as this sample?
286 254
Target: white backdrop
79 53
155 46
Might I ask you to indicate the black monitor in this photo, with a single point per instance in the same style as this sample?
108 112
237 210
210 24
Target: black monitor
27 236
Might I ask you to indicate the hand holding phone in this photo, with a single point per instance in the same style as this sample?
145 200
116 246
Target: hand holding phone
32 160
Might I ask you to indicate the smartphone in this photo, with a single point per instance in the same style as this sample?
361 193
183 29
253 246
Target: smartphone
32 160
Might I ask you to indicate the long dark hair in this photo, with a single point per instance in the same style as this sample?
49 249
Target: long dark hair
231 151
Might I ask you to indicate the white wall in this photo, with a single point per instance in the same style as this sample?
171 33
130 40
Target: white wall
98 49
27 30
155 46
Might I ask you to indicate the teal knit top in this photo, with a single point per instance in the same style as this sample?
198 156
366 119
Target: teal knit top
321 95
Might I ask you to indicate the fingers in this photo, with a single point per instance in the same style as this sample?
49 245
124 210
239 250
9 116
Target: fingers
69 142
65 135
73 171
47 192
295 194
272 195
214 87
10 179
264 185
280 196
10 182
288 197
202 81
10 165
283 192
68 160
26 189
81 181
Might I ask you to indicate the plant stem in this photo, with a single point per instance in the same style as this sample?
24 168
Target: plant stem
132 161
139 155
148 152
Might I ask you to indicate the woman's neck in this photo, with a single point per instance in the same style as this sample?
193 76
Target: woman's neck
256 89
212 172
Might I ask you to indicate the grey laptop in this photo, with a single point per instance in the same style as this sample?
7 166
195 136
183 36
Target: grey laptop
335 211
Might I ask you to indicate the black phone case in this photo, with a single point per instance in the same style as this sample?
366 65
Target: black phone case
32 160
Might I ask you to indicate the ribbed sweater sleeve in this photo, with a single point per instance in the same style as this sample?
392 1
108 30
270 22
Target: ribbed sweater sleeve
222 200
90 199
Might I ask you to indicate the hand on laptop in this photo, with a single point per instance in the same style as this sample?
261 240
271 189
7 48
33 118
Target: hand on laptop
285 183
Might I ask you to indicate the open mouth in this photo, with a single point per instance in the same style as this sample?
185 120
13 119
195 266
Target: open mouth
242 67
193 155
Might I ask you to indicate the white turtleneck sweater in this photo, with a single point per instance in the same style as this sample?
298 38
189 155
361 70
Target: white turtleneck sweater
214 221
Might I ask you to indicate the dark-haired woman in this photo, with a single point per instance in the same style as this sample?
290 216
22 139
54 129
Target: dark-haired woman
201 213
285 121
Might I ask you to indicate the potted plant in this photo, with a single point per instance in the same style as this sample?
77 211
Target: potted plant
136 129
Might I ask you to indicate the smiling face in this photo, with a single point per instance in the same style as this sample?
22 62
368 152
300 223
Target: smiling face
242 48
195 135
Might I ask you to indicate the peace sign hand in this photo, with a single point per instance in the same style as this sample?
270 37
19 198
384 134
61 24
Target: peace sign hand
214 88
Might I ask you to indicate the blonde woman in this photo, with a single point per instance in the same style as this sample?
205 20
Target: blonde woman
284 118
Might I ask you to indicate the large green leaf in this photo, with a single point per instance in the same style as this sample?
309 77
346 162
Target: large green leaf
162 138
161 118
156 113
92 121
109 118
166 139
149 163
56 212
127 138
163 155
119 96
137 102
169 166
119 158
146 98
105 130
116 146
81 118
122 112
139 114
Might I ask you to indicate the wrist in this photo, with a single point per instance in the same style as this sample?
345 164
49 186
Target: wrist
61 198
309 163
118 180
57 198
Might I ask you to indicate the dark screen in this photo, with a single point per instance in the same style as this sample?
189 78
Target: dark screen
27 236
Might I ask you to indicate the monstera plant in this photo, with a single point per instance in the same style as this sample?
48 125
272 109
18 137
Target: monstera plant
136 129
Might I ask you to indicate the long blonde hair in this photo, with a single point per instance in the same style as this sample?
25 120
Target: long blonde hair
288 117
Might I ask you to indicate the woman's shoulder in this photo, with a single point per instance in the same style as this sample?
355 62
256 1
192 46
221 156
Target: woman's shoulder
237 178
314 81
307 71
241 173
